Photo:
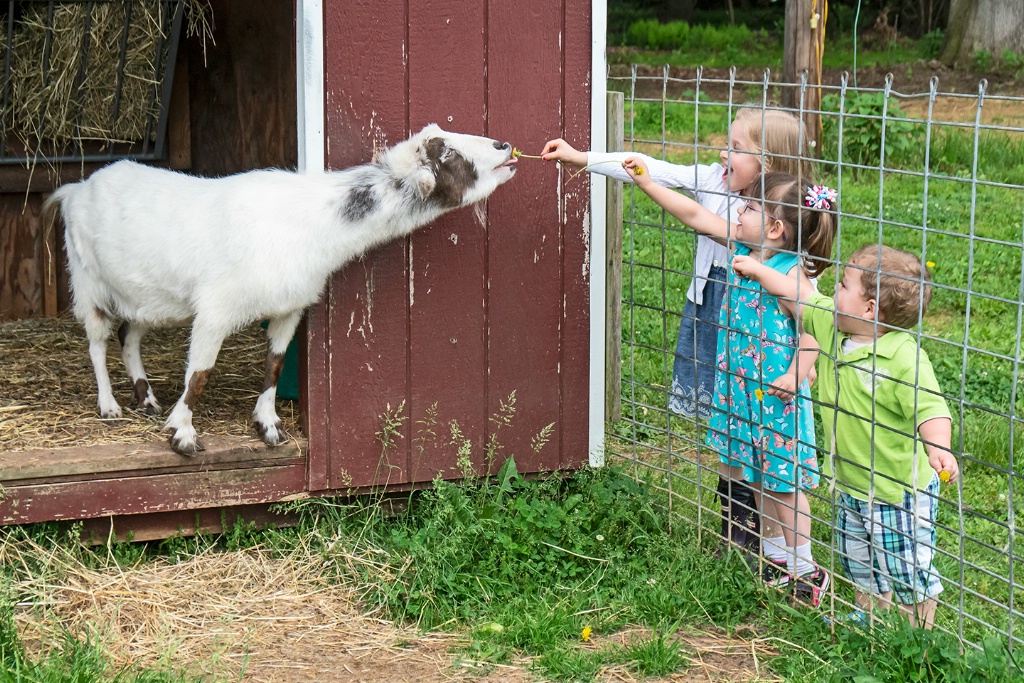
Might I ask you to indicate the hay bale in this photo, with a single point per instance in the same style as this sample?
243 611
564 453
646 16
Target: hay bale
85 92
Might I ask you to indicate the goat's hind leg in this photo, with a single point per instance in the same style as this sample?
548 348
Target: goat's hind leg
202 355
130 335
264 416
98 326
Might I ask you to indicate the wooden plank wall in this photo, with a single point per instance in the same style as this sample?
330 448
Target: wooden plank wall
460 315
235 113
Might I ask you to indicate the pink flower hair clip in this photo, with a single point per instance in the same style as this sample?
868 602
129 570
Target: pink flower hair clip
820 197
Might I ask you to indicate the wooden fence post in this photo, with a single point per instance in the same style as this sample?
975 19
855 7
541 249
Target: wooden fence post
803 45
613 279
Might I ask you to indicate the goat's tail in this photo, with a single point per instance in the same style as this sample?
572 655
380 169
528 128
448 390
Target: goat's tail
52 205
48 218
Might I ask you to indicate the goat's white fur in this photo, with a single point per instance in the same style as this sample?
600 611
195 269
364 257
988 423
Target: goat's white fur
156 248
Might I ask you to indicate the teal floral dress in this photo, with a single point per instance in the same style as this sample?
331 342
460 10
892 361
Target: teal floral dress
749 428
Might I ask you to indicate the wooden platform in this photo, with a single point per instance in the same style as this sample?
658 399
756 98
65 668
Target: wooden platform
135 479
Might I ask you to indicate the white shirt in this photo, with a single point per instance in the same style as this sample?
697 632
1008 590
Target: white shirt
705 182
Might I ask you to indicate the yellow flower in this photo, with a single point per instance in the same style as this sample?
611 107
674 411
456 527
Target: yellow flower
639 171
759 394
930 264
944 477
516 153
585 634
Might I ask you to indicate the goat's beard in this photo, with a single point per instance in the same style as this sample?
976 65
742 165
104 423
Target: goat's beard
480 212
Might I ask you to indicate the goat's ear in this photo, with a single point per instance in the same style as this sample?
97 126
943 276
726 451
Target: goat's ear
425 181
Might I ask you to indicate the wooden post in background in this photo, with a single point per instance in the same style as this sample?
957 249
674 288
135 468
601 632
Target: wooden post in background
613 279
802 50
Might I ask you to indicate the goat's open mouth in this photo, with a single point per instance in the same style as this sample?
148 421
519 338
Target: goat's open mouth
509 164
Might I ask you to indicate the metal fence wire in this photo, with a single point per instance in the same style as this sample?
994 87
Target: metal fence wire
86 81
937 174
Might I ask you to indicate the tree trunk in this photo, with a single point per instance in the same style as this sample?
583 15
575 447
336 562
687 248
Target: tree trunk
982 25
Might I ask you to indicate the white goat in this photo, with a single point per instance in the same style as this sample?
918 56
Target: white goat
156 248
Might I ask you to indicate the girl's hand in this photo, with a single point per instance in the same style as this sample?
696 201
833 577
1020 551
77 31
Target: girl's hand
812 377
784 387
746 266
560 150
942 461
636 168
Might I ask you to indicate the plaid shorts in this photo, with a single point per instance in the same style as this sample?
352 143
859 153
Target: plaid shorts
884 547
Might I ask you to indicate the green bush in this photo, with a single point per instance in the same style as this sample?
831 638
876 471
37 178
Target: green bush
862 126
650 34
931 44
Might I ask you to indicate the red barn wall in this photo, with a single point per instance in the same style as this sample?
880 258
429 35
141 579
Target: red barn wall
459 315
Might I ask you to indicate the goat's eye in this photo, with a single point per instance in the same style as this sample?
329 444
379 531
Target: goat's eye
446 154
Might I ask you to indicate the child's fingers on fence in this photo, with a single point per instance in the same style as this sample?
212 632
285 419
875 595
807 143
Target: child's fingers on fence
744 265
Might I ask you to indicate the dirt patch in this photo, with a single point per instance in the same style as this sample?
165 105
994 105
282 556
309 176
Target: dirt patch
911 79
252 616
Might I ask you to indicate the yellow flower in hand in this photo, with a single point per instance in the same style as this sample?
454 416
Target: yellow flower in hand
759 394
944 477
585 634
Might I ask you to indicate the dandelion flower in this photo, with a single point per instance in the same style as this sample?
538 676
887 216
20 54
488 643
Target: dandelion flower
944 477
585 634
930 264
759 394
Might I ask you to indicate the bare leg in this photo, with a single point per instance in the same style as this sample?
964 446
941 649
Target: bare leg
97 328
921 614
202 355
130 335
790 511
264 416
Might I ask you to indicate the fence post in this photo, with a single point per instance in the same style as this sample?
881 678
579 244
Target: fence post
613 279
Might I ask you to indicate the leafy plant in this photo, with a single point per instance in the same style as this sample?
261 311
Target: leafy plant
861 126
982 60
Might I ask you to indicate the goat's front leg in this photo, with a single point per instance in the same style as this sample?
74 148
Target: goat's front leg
279 334
202 354
130 335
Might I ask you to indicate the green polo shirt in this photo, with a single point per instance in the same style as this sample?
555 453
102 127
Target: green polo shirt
884 391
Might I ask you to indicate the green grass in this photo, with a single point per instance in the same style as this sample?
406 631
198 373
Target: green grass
78 659
522 567
648 41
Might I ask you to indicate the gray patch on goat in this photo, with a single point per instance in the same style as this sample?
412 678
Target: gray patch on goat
453 176
361 202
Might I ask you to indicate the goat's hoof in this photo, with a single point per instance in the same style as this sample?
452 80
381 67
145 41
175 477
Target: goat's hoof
186 444
149 408
113 413
272 436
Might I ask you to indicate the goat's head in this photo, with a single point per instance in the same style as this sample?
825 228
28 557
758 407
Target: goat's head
451 169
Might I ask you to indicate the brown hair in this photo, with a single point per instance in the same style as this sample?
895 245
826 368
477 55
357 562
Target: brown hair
780 138
808 230
894 279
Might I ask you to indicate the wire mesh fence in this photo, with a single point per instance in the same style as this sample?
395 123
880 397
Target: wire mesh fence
939 175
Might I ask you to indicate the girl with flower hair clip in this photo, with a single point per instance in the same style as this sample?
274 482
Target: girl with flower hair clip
762 425
759 140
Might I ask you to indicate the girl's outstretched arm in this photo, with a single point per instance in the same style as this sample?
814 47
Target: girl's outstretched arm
789 290
688 211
